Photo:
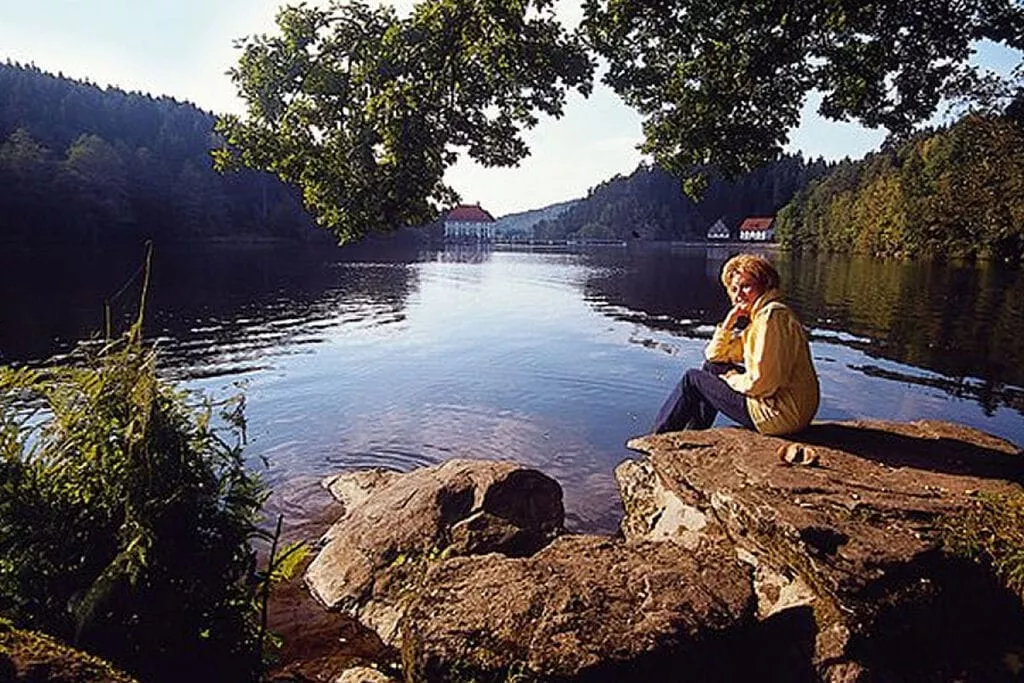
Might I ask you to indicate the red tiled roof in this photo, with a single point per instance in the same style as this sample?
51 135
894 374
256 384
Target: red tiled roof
757 223
469 213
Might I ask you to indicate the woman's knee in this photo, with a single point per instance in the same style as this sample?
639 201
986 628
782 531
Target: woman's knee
716 367
720 368
691 375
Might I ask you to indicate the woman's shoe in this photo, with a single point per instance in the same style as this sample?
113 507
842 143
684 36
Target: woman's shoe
798 454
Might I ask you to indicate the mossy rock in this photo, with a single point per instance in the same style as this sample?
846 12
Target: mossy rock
31 656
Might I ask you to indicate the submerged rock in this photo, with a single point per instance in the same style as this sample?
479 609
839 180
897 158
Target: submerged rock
857 540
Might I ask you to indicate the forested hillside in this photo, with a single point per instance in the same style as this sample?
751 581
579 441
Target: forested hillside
520 225
81 164
649 204
956 192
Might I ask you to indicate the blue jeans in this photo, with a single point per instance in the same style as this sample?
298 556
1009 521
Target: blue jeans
699 397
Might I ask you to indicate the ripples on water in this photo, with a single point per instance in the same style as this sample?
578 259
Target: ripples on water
365 358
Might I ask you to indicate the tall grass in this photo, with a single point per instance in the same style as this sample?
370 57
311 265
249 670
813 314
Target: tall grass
127 516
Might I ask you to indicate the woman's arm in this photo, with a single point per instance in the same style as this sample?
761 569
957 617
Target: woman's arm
726 346
768 356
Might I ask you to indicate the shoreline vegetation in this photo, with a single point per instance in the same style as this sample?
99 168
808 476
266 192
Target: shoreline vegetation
956 192
129 519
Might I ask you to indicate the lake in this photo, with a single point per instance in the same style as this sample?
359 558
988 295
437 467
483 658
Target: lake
378 356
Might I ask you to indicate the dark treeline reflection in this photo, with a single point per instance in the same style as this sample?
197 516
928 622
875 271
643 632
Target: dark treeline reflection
212 312
962 321
675 290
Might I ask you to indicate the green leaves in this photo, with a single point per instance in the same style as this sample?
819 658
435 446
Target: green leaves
364 111
991 531
950 193
723 83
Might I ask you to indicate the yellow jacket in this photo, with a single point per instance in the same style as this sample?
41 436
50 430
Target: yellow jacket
779 379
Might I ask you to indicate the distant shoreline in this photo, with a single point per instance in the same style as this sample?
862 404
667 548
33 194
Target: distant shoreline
624 244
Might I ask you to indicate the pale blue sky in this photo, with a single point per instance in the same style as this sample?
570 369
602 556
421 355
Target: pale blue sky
183 47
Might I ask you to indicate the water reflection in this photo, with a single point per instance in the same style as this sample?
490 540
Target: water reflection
673 290
464 253
961 322
214 313
380 357
267 315
494 360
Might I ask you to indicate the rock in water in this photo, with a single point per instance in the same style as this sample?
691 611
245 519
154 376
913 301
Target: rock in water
393 523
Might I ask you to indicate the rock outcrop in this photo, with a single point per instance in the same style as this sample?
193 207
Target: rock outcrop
394 523
857 540
37 658
585 607
451 564
731 564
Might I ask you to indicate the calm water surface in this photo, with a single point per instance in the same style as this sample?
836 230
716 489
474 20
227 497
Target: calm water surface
374 357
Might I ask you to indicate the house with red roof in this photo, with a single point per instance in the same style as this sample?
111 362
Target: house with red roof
756 229
468 223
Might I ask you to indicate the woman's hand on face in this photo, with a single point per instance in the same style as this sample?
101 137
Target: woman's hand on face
744 290
739 310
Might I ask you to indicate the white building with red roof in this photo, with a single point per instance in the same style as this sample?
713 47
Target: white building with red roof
469 223
757 229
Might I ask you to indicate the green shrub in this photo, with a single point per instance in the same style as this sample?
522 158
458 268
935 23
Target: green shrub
127 516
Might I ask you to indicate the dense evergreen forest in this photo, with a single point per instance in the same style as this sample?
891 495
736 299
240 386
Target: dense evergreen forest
80 164
956 192
650 204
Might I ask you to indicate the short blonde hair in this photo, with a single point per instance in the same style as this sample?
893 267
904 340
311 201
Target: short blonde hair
757 267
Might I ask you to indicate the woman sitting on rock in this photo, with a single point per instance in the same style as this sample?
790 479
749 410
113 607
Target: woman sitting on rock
762 377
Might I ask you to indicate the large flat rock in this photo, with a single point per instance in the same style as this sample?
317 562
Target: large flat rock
857 539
